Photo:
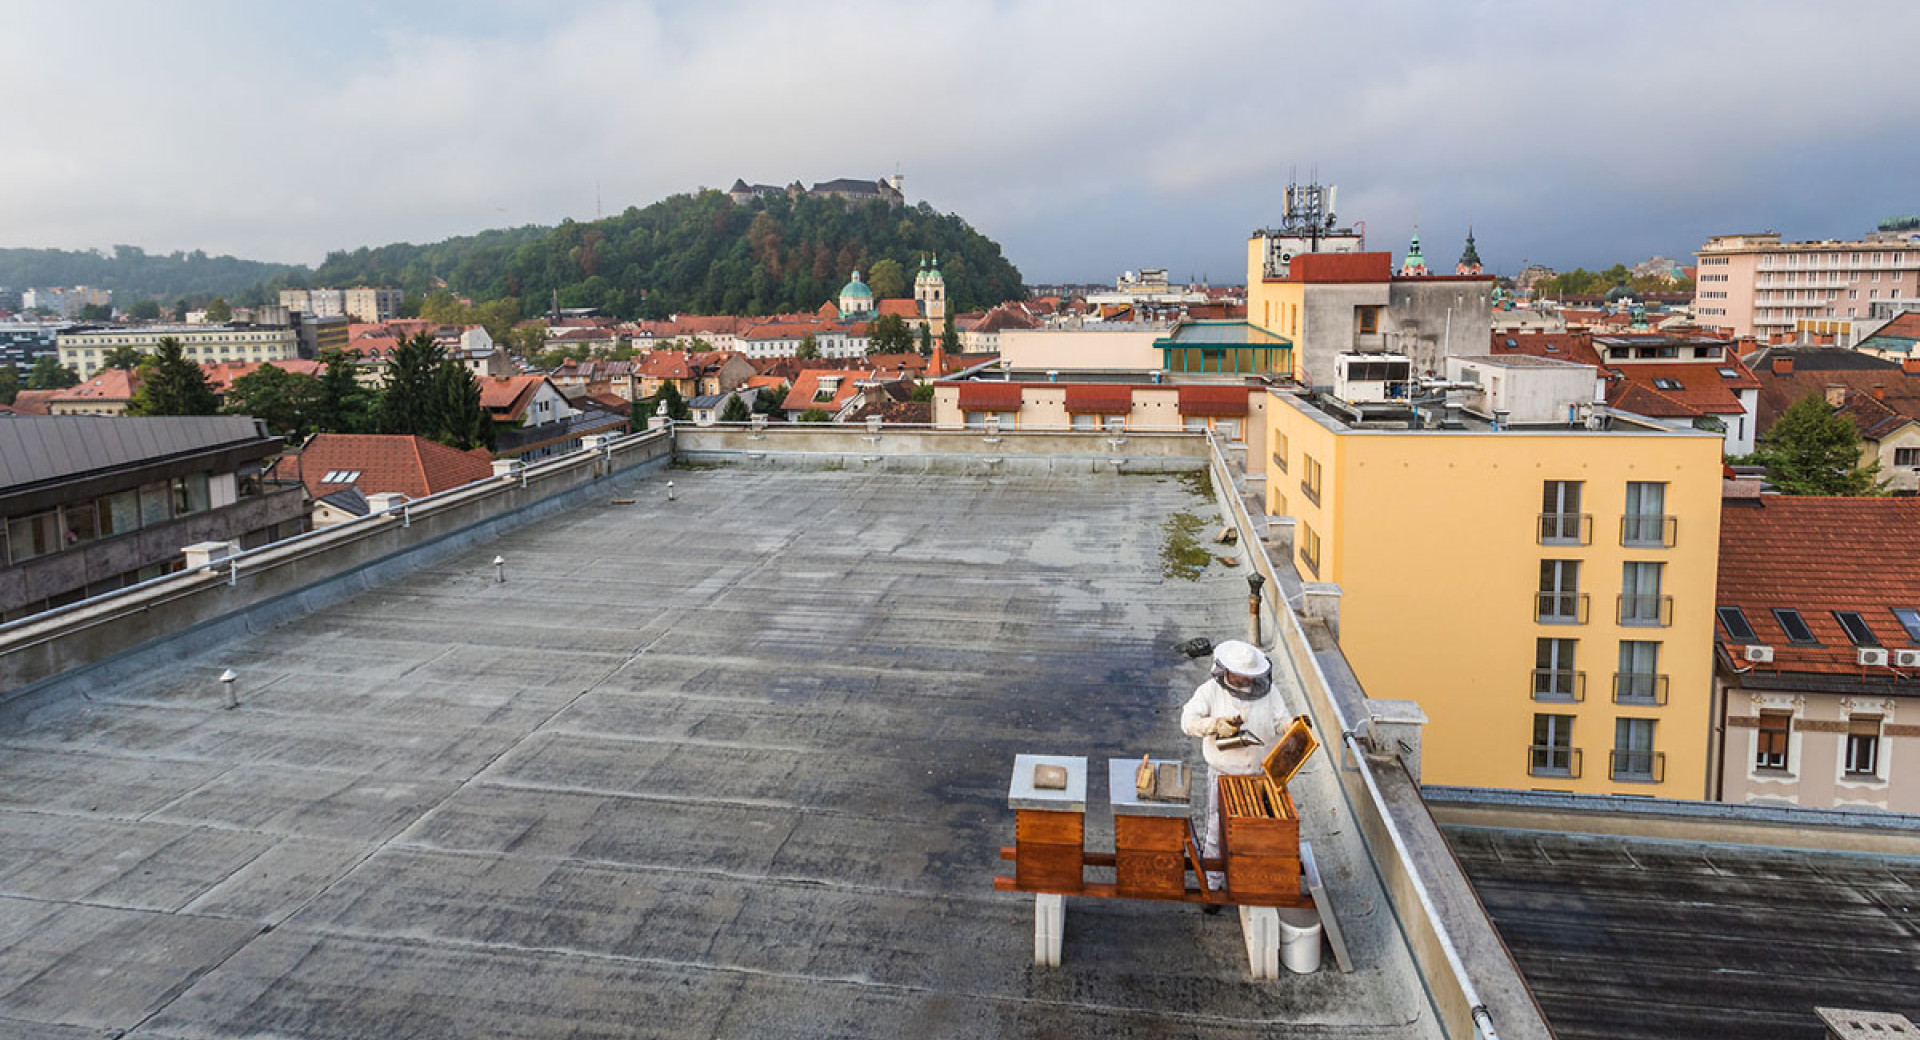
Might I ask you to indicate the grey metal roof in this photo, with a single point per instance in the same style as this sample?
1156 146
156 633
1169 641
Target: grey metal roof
35 449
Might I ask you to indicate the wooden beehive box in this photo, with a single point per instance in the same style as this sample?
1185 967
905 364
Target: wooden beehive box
1260 826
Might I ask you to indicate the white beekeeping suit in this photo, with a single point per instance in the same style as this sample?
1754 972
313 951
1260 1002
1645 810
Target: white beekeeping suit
1240 689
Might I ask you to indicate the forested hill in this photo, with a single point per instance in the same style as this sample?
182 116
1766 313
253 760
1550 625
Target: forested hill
133 274
698 254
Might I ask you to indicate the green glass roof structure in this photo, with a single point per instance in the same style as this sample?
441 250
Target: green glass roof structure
1225 346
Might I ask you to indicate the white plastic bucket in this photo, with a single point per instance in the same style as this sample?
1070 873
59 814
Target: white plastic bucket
1300 940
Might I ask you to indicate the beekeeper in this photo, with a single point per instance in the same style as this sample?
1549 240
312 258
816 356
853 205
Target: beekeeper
1237 722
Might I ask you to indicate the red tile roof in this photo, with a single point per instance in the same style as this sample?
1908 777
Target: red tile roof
412 466
507 397
808 388
1702 389
221 374
114 384
900 308
1096 399
1565 346
1214 400
1818 555
33 402
989 397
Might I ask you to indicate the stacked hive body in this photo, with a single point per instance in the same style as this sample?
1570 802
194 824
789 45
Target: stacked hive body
1260 828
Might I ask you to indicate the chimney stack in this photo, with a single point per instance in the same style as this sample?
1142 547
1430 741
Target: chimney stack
1783 366
1879 391
1910 366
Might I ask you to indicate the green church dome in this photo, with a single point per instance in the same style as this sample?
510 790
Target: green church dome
856 287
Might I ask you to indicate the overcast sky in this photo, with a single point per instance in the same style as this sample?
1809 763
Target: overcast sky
1086 136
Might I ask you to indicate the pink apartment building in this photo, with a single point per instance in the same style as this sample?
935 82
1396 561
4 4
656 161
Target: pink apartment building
1756 285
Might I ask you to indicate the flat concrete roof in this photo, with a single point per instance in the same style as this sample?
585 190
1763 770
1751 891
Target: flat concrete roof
731 766
1624 937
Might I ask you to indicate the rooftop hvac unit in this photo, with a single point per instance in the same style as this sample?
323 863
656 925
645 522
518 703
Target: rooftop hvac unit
1872 657
1760 654
1906 658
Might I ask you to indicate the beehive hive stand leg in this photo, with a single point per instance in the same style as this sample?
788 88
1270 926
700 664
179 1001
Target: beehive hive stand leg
1049 927
1260 927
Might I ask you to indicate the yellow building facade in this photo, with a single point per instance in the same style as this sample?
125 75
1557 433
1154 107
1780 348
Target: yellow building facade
1546 595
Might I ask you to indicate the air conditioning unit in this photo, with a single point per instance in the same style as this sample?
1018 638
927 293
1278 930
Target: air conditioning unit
1872 657
1906 658
1757 654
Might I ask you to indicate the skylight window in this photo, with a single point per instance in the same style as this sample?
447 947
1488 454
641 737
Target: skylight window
1668 384
1734 620
1909 620
1794 626
1728 373
1856 628
340 476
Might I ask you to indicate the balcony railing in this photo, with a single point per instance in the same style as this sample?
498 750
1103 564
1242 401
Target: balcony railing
1565 529
1559 684
1560 608
1644 611
1649 530
1639 688
1553 760
1640 767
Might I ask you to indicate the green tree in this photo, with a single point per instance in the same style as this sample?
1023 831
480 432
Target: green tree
1813 450
218 311
9 384
172 385
463 423
886 280
814 415
145 310
923 391
48 373
128 358
289 402
409 405
926 339
889 334
344 406
96 312
675 406
736 410
949 339
767 402
809 348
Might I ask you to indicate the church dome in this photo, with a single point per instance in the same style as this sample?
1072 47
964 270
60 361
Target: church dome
856 288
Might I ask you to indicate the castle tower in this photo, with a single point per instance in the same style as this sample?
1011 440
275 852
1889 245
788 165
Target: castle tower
930 292
1415 265
855 299
1470 258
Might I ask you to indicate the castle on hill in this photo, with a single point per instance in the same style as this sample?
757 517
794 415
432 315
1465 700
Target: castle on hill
886 189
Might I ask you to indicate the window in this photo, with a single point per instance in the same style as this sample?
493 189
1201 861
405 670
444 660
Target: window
1633 755
1646 522
33 536
1772 738
1086 421
1310 478
1369 320
1909 620
1640 600
155 507
1795 627
1734 620
1552 752
1560 519
79 523
1639 680
1554 676
190 494
1310 549
1906 456
1559 599
1863 745
119 513
1856 628
1668 384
